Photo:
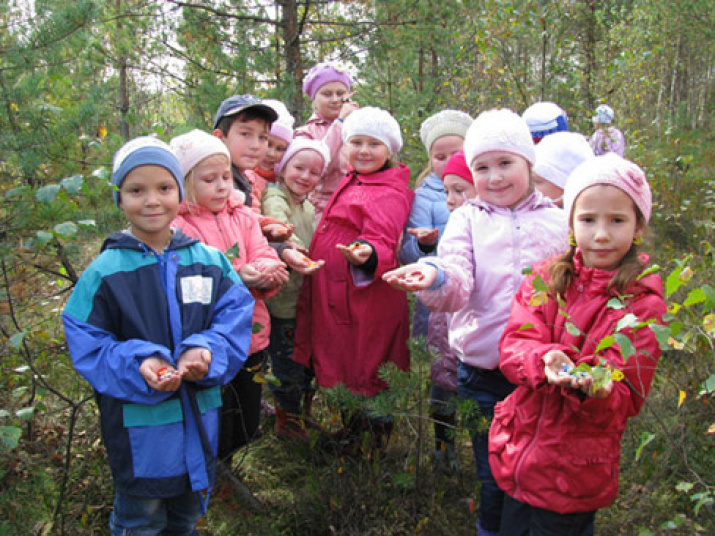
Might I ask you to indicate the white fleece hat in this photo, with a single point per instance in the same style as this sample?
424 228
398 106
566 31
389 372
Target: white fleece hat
558 154
376 123
283 126
304 144
192 147
444 123
498 130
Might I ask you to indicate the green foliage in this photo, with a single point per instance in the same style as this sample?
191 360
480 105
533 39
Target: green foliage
78 77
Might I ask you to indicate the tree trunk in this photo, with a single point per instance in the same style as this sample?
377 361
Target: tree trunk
123 84
291 48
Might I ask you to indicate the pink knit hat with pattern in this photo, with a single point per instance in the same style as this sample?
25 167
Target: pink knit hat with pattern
613 170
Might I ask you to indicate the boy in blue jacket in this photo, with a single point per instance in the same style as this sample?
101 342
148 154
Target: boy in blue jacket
157 323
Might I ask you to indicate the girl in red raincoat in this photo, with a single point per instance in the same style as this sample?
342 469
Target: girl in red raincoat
555 442
349 321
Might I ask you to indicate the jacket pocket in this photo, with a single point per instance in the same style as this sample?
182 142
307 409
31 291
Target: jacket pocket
156 438
590 467
157 435
338 301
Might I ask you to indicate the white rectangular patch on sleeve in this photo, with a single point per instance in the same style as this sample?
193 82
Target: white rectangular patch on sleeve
197 289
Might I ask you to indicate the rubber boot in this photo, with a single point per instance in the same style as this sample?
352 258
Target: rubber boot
290 426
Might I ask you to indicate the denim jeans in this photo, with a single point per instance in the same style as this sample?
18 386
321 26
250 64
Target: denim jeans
294 378
148 516
521 519
486 388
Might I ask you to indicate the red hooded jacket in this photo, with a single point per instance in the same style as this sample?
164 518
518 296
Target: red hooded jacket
552 447
349 323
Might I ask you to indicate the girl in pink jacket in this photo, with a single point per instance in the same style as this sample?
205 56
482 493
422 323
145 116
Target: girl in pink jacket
328 86
349 321
487 244
555 442
215 213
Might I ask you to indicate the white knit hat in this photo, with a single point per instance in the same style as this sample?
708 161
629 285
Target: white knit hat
444 123
192 147
558 154
283 126
604 115
376 123
304 144
498 130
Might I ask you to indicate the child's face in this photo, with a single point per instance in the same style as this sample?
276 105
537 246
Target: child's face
276 147
501 178
441 150
328 99
302 172
458 191
549 189
211 183
247 142
149 196
366 154
604 225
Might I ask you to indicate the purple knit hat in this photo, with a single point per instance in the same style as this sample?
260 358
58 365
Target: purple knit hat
613 170
322 74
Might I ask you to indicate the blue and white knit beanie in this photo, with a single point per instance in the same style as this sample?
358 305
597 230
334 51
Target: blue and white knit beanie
144 151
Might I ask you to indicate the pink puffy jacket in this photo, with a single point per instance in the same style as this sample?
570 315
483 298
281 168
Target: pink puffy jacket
238 226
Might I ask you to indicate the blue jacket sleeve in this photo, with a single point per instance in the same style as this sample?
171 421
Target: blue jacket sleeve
228 338
112 367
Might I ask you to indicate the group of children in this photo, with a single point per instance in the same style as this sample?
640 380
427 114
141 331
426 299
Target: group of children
258 243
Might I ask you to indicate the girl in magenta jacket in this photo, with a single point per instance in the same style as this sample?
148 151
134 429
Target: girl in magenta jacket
555 442
215 213
349 321
328 86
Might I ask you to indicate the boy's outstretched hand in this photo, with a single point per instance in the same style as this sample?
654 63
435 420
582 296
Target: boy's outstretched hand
300 262
415 276
356 253
194 364
159 374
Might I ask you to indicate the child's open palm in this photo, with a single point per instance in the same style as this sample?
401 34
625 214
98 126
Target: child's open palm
554 363
270 275
426 237
151 370
300 263
413 277
194 364
356 253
